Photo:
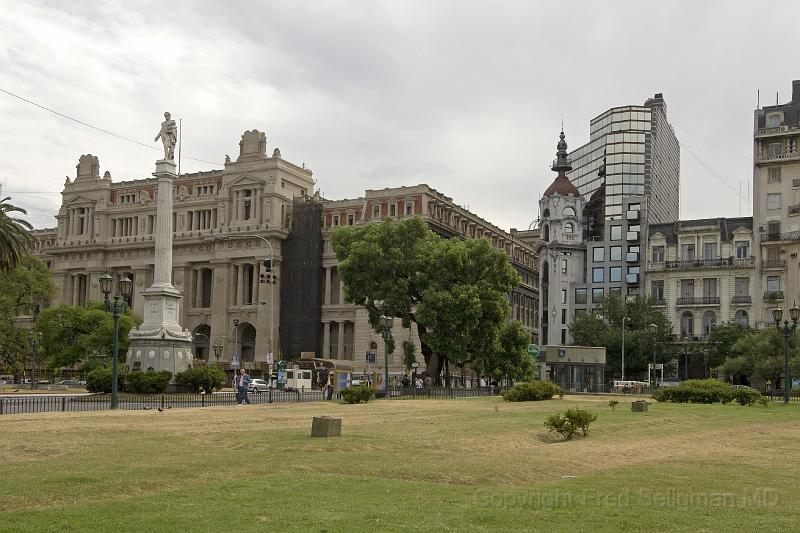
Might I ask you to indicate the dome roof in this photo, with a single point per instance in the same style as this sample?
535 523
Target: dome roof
561 185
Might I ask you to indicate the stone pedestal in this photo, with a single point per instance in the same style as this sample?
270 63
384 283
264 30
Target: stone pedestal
638 407
160 343
326 426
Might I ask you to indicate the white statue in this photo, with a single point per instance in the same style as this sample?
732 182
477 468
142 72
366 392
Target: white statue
169 137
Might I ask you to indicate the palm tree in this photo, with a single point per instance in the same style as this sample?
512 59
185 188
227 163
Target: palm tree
15 237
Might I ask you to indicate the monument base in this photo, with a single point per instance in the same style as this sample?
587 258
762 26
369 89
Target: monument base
158 353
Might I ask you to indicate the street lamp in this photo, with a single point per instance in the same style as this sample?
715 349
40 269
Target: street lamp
386 331
35 338
625 319
786 330
653 329
414 367
235 341
685 353
124 288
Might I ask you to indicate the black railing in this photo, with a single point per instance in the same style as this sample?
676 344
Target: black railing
707 263
742 300
773 263
658 302
413 393
790 236
773 296
698 300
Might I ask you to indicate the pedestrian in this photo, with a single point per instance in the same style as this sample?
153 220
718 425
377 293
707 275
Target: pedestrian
428 381
329 390
482 383
405 382
418 383
242 383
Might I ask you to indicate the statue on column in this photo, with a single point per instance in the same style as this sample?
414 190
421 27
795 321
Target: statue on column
169 137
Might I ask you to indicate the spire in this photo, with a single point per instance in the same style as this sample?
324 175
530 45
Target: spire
561 165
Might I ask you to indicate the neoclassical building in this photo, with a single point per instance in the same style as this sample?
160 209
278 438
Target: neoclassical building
221 222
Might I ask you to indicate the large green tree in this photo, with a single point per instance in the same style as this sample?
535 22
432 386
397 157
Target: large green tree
15 237
73 335
603 327
452 290
509 355
23 291
759 355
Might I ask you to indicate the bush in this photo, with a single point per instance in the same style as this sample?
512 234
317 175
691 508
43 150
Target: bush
581 419
748 397
697 391
100 380
531 391
570 422
558 423
205 378
613 404
358 394
147 382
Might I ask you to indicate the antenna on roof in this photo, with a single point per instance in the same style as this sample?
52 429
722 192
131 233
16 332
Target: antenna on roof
758 98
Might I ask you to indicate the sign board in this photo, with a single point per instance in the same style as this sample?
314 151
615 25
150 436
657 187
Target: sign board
270 358
533 350
234 361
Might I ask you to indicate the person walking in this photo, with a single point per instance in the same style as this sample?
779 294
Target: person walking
242 383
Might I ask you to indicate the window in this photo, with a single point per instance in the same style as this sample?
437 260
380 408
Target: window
597 254
546 233
710 287
376 211
687 324
563 316
615 290
687 252
351 220
568 212
742 249
616 233
615 253
564 266
774 200
774 227
335 220
658 254
615 274
742 286
563 296
569 228
657 290
597 275
774 149
709 321
580 296
741 318
687 288
773 283
773 121
597 296
393 210
563 336
409 208
709 250
774 175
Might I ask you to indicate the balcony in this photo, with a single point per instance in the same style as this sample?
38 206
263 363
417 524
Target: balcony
778 237
773 296
742 300
658 302
777 156
773 264
698 300
718 262
776 131
794 210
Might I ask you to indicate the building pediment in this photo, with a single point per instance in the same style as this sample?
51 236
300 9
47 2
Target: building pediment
80 201
245 181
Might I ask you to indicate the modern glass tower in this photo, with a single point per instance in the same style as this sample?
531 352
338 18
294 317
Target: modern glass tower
643 159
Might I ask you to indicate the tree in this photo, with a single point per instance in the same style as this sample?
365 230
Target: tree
759 355
509 357
74 335
722 340
453 291
206 378
603 327
15 237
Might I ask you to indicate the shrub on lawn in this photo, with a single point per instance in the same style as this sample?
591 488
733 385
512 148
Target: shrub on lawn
707 391
531 391
205 378
147 382
100 380
613 404
358 394
568 423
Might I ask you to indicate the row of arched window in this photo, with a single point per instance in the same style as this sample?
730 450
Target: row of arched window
709 321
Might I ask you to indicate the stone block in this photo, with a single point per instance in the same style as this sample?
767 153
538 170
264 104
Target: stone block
639 406
326 426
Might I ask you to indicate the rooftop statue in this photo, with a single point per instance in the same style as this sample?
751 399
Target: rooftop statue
169 136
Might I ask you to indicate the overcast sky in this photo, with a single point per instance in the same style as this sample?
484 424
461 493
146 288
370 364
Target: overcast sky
466 96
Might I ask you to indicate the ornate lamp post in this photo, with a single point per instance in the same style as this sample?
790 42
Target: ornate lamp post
386 332
235 342
35 339
116 307
786 330
414 367
653 329
626 319
218 351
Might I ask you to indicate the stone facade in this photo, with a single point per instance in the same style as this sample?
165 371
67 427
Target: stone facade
776 205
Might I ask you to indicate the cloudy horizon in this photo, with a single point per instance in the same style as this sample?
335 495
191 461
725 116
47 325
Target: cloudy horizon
467 97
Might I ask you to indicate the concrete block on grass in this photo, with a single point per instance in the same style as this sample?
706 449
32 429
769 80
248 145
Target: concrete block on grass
326 426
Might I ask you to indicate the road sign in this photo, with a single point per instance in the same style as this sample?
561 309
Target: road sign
533 350
234 361
270 358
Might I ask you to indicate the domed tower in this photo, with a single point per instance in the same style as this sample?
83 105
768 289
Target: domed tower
562 251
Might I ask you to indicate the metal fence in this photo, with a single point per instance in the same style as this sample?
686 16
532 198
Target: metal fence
412 393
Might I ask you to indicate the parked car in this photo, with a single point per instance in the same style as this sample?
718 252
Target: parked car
258 385
70 382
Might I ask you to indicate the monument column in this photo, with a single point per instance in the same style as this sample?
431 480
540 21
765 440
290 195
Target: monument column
159 342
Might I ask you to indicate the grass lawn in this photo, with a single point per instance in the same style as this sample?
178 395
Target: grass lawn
455 465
